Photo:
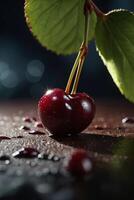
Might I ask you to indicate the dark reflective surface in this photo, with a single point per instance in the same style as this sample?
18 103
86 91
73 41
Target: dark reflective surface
111 147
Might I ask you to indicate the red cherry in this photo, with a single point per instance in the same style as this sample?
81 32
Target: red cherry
79 163
64 114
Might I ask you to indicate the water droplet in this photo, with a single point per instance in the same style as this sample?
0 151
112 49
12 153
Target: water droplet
51 157
17 137
34 132
98 127
27 119
38 125
56 158
4 157
43 156
2 137
25 128
26 152
128 120
34 119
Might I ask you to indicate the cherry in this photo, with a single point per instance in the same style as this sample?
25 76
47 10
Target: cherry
79 163
63 113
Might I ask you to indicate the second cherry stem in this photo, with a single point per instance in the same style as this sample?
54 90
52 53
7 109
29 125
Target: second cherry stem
81 55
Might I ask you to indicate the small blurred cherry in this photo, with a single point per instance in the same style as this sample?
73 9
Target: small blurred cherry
79 163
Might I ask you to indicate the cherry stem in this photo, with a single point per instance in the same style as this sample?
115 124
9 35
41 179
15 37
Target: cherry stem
98 12
78 65
78 73
84 49
69 83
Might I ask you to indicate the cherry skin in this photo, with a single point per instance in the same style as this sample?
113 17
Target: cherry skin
79 163
64 114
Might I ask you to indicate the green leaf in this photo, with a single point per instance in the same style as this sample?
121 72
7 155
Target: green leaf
115 43
93 22
58 24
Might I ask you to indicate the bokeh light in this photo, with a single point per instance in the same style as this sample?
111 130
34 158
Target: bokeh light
9 78
3 67
35 70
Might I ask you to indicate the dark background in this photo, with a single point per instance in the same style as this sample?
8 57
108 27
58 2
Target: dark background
27 69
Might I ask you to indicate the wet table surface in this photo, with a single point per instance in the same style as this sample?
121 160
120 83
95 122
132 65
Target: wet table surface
109 142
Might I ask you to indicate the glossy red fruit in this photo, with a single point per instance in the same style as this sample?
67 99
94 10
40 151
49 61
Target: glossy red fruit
64 114
79 163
